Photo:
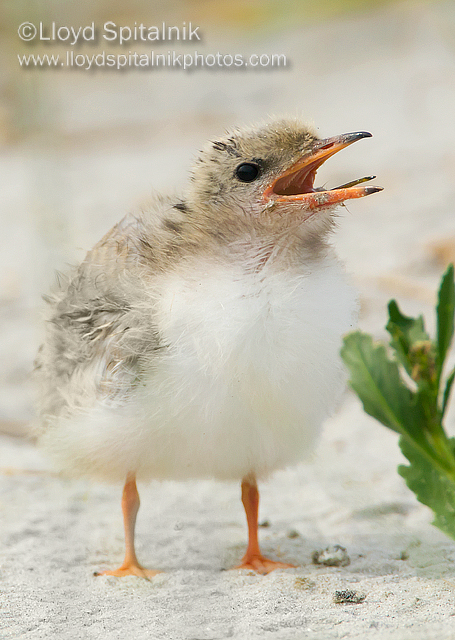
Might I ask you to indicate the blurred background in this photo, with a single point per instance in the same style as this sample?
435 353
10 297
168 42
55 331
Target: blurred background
81 148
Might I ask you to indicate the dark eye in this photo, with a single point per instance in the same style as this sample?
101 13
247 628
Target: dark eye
247 171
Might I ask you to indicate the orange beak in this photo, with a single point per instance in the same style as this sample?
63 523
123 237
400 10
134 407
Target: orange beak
296 183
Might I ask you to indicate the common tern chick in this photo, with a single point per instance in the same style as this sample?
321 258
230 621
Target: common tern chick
200 337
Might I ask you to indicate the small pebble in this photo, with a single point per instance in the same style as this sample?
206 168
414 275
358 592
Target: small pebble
264 524
333 556
293 533
346 596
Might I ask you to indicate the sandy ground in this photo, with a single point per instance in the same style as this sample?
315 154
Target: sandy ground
102 143
56 533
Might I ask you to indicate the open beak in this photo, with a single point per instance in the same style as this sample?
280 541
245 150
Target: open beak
296 184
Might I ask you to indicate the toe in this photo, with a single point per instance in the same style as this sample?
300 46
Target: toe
262 565
129 570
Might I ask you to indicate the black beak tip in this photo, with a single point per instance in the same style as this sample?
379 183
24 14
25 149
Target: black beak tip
370 190
358 135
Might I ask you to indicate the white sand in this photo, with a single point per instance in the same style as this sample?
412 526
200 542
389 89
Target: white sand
57 533
108 139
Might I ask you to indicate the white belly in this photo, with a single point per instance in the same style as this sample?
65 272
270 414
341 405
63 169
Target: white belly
250 372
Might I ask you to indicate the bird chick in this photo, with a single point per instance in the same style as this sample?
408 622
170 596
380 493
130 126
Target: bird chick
200 336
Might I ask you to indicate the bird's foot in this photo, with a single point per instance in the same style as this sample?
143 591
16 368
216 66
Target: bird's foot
261 564
131 569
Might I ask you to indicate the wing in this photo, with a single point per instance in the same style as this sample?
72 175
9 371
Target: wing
100 335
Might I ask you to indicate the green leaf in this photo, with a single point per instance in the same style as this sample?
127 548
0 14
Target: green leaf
405 332
415 413
447 392
376 380
413 329
445 316
431 485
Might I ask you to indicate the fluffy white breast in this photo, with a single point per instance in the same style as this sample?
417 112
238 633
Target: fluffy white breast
250 370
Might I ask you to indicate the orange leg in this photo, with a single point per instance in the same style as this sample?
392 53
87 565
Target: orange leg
130 507
253 558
